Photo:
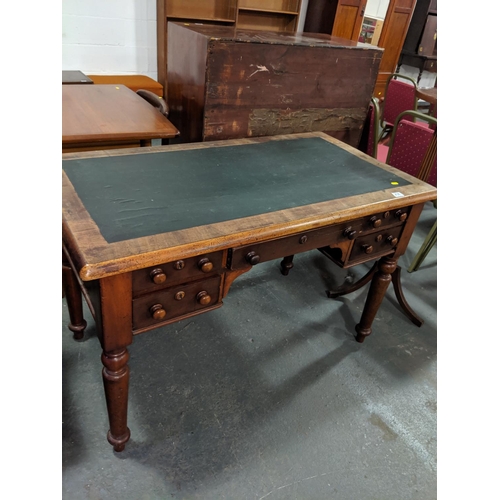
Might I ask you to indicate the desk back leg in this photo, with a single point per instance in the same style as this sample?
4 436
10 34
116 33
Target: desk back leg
286 264
73 296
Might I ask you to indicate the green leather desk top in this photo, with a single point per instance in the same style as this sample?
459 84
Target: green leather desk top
132 196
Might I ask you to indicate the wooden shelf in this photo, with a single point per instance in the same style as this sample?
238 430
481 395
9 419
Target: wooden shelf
198 18
268 15
269 11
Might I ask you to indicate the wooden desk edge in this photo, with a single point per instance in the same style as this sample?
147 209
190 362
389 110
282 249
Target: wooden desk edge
222 237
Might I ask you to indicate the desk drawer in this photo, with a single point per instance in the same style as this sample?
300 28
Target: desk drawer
179 271
301 242
159 307
375 244
384 219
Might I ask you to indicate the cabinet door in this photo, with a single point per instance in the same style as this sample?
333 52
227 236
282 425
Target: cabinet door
348 19
397 21
429 37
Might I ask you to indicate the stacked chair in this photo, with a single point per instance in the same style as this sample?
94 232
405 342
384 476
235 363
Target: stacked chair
400 95
412 148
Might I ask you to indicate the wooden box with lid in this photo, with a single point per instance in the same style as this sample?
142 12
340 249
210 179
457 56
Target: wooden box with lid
228 83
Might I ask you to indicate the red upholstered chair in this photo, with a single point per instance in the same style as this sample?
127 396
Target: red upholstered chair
400 95
413 147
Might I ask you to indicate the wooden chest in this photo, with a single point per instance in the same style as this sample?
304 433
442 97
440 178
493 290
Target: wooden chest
226 83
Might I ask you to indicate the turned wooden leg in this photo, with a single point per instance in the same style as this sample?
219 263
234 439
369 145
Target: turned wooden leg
116 307
74 300
380 282
116 376
286 264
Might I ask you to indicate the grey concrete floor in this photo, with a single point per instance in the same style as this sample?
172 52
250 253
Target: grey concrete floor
269 397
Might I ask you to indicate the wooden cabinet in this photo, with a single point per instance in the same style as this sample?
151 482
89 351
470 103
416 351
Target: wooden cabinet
420 46
269 15
396 23
343 18
272 15
226 83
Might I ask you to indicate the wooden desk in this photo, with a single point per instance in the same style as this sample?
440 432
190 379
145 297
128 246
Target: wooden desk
75 78
158 235
428 95
98 117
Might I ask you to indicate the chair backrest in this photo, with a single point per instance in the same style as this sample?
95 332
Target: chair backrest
373 131
400 95
154 100
369 138
413 147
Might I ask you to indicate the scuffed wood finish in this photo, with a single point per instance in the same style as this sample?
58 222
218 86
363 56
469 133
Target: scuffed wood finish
227 83
106 116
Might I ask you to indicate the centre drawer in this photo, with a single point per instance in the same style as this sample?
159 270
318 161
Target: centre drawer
291 245
158 307
179 271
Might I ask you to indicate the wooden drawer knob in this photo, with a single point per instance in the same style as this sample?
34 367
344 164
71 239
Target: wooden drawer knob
402 216
367 248
157 312
375 221
179 264
393 241
252 258
203 298
205 265
158 276
349 232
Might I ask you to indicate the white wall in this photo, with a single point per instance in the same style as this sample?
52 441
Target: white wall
109 36
376 8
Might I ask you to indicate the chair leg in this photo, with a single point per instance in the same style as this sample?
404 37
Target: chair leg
429 242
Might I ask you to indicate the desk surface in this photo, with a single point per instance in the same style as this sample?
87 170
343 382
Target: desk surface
428 95
130 209
99 113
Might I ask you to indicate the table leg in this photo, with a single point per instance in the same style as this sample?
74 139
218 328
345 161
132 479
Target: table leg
116 308
74 300
380 282
286 264
116 375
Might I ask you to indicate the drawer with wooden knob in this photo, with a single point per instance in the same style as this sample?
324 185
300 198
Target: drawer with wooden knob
339 234
375 244
384 219
180 300
179 271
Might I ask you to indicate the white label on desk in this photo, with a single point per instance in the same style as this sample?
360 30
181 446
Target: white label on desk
397 194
